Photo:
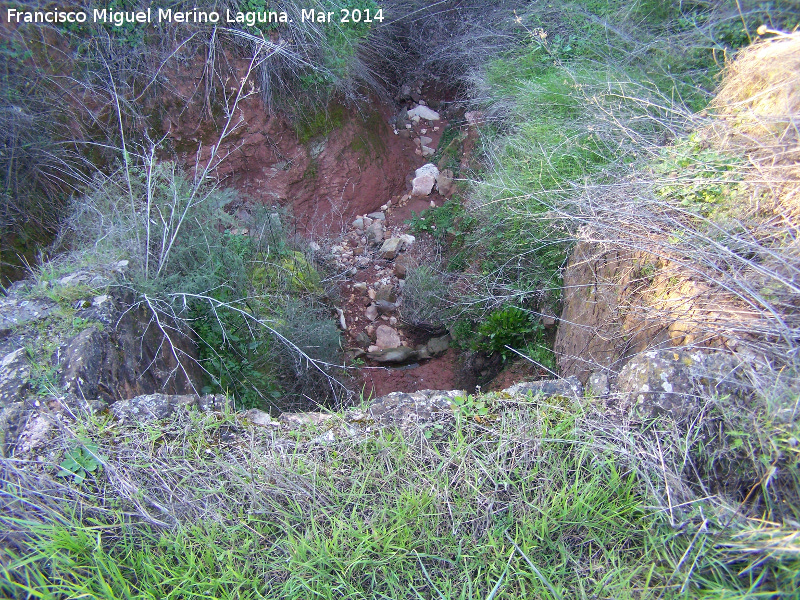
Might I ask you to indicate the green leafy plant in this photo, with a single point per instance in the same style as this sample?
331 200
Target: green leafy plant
508 327
434 429
704 181
540 352
471 406
79 461
447 223
44 376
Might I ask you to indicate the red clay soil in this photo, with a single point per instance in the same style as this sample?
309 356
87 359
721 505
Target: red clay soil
325 182
434 374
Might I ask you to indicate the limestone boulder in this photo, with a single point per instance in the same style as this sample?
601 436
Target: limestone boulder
677 382
375 233
14 376
391 248
154 407
424 180
424 112
570 387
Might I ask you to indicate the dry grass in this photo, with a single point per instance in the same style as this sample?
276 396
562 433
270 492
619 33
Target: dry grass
718 219
760 95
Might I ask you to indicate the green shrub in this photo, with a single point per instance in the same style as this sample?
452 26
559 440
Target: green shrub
509 327
235 292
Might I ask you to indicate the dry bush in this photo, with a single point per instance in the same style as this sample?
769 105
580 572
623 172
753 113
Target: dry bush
760 96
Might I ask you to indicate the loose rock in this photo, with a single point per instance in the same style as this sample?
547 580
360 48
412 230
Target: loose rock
438 345
423 112
444 182
392 355
424 180
375 233
391 248
386 337
386 293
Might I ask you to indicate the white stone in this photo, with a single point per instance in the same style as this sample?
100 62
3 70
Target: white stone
427 169
423 112
100 300
424 180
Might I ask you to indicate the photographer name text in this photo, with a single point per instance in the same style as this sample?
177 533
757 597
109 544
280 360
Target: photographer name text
120 18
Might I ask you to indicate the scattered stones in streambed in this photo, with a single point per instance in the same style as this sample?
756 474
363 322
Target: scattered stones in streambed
366 255
416 120
372 254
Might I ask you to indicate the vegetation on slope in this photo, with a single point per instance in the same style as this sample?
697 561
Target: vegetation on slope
514 497
511 497
593 94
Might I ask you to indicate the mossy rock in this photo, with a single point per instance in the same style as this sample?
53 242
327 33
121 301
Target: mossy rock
290 272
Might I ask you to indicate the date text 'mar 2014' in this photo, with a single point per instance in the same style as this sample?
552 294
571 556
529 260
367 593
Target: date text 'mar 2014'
345 15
